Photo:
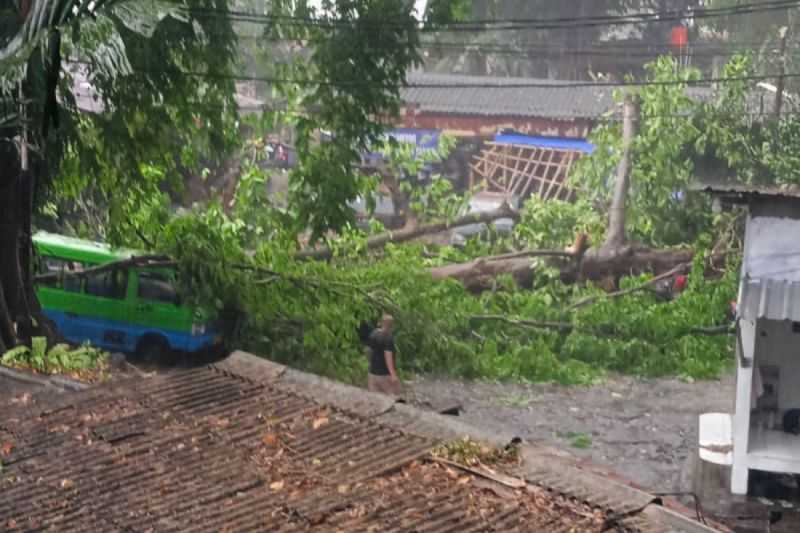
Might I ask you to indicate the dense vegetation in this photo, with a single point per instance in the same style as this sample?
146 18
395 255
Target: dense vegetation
241 254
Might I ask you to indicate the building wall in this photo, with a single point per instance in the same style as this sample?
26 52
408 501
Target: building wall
488 126
777 344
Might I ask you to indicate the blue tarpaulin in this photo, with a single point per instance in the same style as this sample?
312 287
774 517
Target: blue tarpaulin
546 142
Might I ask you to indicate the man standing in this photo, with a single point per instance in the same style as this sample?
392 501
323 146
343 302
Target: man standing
382 372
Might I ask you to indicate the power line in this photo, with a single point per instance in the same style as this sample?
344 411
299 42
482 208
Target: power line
507 24
528 51
498 83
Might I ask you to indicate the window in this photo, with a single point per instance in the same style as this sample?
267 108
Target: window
54 265
108 284
157 287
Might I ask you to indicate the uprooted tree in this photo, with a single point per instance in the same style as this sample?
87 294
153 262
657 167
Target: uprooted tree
306 311
162 72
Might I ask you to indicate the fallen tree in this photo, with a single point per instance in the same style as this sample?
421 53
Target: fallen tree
593 265
410 233
480 274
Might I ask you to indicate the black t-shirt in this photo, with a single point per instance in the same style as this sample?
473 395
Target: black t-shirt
379 342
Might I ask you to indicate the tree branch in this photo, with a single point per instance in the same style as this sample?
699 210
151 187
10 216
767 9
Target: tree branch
156 261
683 267
407 234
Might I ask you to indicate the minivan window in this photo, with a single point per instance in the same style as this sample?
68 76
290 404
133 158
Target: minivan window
54 265
156 287
108 284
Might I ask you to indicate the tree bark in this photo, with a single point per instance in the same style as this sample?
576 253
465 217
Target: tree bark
10 277
480 274
407 234
616 216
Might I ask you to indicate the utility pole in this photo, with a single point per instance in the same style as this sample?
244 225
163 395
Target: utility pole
779 91
616 216
23 136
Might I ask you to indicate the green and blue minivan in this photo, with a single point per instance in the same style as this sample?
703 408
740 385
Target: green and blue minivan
134 309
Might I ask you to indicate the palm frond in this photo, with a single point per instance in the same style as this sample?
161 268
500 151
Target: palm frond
44 16
143 17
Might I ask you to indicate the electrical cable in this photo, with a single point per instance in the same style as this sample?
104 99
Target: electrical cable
496 83
507 24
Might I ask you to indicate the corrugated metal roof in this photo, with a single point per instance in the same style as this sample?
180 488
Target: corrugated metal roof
744 190
205 450
770 299
210 450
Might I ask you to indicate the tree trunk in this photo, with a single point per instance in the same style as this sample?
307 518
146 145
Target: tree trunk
616 216
11 289
480 274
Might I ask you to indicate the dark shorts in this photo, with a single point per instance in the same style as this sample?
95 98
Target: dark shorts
384 385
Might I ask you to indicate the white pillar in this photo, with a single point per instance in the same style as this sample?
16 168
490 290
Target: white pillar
741 423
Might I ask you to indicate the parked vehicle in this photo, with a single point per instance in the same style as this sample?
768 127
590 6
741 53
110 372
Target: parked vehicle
134 309
480 203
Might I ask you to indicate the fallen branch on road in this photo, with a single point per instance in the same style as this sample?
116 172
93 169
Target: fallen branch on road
507 481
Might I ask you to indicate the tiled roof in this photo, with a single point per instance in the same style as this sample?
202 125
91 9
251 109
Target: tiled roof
498 97
444 93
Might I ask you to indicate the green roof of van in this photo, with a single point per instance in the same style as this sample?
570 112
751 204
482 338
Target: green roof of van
55 245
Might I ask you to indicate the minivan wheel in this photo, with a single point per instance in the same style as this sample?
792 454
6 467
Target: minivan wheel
153 350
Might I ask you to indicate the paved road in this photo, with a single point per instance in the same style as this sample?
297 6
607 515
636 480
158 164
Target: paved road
642 429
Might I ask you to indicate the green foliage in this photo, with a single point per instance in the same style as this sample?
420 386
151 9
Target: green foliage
355 76
432 199
59 359
553 224
660 209
307 313
735 144
717 139
159 120
582 441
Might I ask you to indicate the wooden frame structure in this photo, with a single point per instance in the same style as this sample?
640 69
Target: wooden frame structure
524 170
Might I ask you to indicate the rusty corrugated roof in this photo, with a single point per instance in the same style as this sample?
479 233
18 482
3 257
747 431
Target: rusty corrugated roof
208 451
211 450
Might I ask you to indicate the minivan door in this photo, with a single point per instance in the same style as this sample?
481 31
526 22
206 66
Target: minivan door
104 309
156 308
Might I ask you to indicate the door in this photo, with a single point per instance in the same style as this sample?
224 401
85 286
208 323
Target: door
156 308
61 296
103 314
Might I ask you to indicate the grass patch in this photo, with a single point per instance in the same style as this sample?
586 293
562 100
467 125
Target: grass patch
84 362
581 441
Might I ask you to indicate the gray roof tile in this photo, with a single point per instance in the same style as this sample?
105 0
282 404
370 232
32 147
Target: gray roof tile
498 97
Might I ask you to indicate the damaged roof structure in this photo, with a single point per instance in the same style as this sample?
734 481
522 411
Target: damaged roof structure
248 445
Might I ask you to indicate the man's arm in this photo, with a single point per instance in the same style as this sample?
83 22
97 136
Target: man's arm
388 356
